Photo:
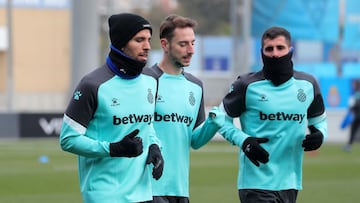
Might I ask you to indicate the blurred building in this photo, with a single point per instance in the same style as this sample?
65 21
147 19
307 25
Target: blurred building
38 52
48 36
36 60
111 6
46 45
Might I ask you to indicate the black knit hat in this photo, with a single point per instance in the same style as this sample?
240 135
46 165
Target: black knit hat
122 27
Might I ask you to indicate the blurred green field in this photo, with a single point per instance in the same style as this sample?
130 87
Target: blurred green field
37 171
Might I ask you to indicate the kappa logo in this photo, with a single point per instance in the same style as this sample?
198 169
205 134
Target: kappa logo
115 102
160 99
263 98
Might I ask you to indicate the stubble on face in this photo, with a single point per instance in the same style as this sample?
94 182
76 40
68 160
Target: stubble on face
176 61
139 46
181 47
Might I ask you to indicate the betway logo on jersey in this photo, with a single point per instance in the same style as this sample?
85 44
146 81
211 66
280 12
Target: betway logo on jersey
132 118
174 117
282 116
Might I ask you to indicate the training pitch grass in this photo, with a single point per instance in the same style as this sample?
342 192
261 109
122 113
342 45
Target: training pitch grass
36 170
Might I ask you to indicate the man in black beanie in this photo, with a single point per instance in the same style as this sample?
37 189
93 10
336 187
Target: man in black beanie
121 31
108 122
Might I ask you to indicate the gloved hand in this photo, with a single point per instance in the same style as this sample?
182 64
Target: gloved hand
157 160
217 116
129 146
254 151
313 140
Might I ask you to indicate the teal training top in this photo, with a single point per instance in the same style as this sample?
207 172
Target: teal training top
105 108
179 110
280 113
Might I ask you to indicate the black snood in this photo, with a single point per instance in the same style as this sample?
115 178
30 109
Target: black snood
278 70
123 65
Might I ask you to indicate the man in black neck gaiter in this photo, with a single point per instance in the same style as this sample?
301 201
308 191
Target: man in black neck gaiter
124 64
108 121
270 140
276 54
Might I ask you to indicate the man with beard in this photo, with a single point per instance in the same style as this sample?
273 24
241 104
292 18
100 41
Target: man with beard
275 106
108 122
179 119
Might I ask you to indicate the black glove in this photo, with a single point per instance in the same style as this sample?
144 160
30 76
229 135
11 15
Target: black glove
157 160
129 146
254 151
313 140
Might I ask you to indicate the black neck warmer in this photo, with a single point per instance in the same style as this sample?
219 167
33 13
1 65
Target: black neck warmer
278 70
122 65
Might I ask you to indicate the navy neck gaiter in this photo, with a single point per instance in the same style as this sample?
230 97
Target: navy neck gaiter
122 65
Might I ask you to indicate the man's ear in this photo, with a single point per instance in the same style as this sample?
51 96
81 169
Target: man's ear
164 44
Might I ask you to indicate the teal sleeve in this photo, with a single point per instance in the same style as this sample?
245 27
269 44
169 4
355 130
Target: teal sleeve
73 139
230 132
320 123
203 133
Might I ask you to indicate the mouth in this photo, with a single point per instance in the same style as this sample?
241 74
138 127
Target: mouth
143 56
187 58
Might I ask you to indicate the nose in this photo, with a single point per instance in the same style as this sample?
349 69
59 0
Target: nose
190 49
276 53
147 45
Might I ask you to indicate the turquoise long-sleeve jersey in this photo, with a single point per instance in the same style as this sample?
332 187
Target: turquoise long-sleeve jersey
104 109
280 113
179 110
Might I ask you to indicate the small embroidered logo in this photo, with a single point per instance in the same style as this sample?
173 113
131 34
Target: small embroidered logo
301 95
191 99
77 95
150 96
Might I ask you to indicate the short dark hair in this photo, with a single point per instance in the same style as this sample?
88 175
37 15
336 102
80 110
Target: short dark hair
274 32
173 21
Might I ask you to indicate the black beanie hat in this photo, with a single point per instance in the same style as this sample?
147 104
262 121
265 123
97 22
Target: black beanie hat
122 27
